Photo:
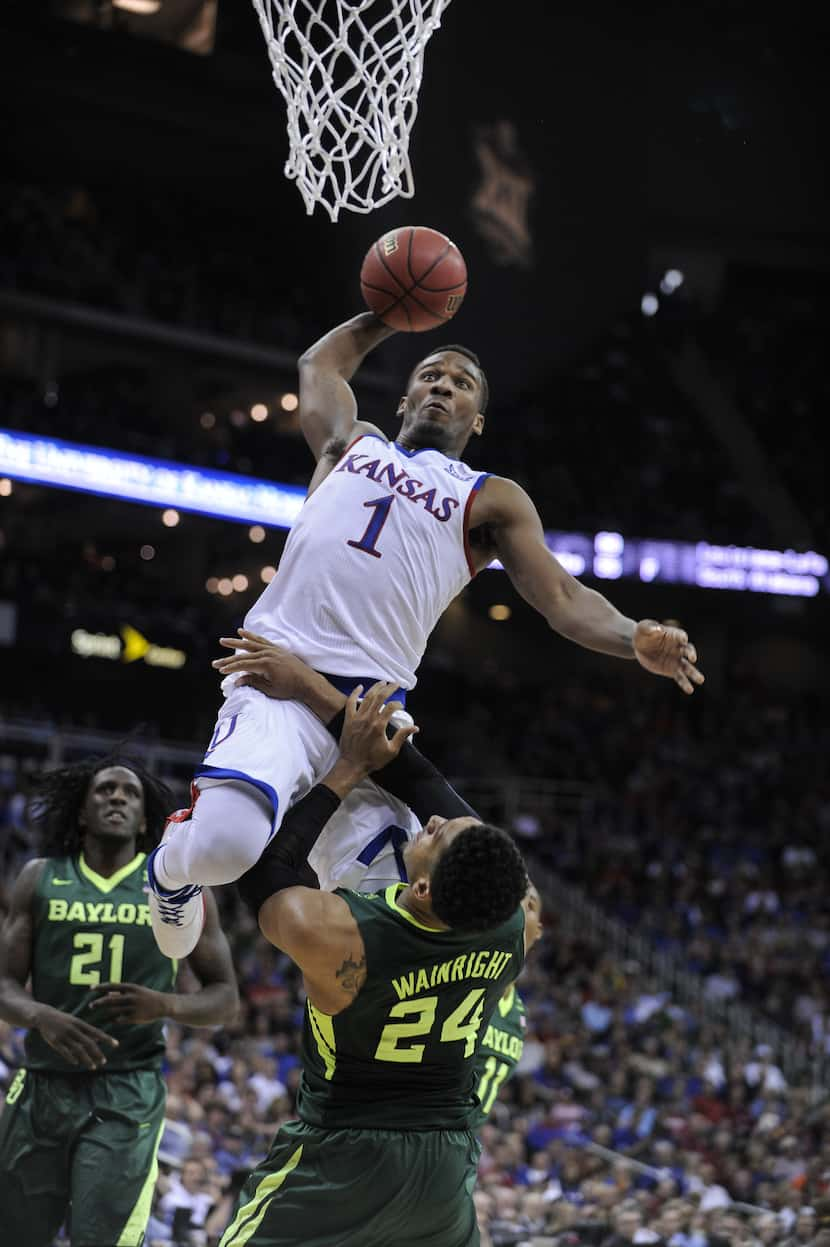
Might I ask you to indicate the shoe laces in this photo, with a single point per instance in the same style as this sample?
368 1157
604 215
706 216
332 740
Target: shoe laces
170 907
171 915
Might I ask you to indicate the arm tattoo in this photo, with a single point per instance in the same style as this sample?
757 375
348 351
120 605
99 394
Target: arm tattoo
352 975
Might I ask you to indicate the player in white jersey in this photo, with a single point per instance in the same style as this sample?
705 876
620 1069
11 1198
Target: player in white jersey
390 533
397 520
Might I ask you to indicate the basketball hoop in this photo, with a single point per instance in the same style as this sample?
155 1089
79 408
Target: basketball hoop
350 72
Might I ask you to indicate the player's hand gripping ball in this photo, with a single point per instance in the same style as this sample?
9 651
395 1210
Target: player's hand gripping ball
413 278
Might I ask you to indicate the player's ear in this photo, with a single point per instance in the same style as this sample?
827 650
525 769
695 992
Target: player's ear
402 407
478 424
420 888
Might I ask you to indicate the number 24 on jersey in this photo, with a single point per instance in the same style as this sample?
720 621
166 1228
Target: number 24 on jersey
463 1024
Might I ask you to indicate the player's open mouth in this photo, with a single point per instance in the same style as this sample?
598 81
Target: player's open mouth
434 405
111 814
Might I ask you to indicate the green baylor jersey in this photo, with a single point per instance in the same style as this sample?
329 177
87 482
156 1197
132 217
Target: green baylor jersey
402 1055
89 930
499 1051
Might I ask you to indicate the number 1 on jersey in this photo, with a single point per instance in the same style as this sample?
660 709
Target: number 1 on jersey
368 541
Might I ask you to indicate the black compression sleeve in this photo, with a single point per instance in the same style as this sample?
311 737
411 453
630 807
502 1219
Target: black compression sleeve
285 857
415 780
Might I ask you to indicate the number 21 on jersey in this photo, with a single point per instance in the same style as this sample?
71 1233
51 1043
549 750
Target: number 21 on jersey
85 969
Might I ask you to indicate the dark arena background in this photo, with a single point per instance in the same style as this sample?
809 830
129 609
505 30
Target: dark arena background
640 192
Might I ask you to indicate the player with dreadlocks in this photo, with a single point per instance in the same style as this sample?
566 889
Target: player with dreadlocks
82 1121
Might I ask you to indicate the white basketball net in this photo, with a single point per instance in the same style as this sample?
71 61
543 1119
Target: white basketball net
350 72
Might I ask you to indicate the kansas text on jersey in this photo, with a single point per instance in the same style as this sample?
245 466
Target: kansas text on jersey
377 554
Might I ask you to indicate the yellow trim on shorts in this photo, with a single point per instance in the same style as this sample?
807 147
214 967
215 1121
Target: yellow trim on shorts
133 1232
323 1029
241 1230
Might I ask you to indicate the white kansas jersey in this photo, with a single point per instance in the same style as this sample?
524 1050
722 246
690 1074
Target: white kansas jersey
377 554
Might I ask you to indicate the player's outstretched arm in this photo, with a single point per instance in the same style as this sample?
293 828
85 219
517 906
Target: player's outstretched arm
215 1003
76 1041
576 612
328 409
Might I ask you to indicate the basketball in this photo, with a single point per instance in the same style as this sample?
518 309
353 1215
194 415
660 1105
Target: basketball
413 278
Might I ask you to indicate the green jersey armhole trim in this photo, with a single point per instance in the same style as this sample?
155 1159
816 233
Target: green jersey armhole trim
100 881
391 895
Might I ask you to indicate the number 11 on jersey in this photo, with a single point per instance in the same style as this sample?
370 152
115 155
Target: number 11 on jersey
368 541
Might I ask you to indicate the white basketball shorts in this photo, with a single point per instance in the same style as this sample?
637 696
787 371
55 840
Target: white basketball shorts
362 844
283 750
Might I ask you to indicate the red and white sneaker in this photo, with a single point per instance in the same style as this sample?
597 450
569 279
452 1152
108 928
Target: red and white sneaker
178 916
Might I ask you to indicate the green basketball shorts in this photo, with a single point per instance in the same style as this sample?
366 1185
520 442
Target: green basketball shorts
80 1150
360 1188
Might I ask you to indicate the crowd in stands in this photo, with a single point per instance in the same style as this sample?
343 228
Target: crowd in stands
709 843
715 846
706 828
613 1068
627 1121
709 835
